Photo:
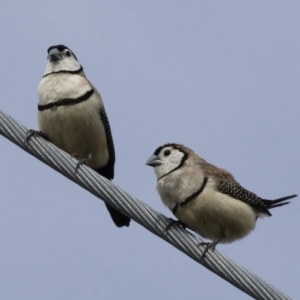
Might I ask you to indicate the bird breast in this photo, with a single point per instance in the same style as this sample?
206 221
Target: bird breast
61 86
76 129
178 186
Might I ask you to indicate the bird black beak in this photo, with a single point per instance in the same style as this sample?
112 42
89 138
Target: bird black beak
54 55
153 161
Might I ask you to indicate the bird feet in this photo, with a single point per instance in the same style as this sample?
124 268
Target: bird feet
34 133
212 245
173 223
81 161
207 246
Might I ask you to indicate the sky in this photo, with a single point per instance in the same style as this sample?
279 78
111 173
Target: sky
221 77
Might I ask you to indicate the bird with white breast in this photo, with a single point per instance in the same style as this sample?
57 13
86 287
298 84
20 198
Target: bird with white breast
71 115
205 198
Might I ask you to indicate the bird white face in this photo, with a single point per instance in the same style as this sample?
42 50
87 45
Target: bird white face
60 59
166 159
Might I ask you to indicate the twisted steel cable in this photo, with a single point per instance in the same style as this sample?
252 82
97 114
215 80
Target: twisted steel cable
155 222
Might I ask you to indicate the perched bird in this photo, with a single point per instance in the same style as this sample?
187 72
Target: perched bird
71 115
205 198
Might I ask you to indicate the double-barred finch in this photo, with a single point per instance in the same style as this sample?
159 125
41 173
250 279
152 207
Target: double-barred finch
71 115
205 198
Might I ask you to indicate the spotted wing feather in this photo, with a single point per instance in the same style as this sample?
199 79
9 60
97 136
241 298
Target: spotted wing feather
236 191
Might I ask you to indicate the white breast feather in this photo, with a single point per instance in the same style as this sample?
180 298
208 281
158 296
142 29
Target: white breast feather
76 129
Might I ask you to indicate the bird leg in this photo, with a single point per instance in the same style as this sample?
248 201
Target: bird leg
34 133
81 161
173 223
212 245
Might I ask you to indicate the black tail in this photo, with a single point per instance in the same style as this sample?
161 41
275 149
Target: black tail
119 219
278 202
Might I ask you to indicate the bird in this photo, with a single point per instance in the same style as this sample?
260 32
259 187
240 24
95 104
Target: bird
205 198
71 115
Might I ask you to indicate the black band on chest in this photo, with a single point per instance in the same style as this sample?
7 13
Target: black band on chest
192 197
67 101
65 72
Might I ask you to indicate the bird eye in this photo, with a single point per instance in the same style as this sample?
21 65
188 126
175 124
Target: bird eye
68 53
167 152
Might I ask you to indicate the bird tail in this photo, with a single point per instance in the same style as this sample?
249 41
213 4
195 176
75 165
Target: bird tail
278 202
119 219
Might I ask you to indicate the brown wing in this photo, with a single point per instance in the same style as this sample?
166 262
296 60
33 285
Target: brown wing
236 191
226 184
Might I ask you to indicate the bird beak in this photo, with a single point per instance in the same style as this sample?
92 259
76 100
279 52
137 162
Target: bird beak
153 161
54 55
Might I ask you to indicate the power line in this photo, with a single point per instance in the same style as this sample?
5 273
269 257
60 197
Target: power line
152 220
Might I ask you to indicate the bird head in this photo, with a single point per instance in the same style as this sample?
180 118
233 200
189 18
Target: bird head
167 158
61 59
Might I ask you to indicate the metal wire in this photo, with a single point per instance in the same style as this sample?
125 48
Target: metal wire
138 211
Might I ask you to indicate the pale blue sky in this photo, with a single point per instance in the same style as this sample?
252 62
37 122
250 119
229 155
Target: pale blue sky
221 77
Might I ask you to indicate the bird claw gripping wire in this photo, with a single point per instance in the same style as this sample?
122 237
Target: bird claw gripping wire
34 133
173 223
207 246
210 245
81 161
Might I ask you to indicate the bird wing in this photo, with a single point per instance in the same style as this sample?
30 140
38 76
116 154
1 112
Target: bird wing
108 170
236 191
226 184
